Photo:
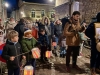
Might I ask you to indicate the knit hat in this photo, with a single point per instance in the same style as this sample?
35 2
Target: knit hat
27 32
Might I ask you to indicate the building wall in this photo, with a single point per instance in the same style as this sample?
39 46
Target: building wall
87 8
28 7
62 11
60 2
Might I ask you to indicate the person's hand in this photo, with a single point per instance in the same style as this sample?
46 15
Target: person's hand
12 58
24 57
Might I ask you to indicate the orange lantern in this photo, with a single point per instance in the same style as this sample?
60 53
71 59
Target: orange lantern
54 44
36 53
28 70
48 54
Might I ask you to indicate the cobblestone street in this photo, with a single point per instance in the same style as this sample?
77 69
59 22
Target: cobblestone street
59 67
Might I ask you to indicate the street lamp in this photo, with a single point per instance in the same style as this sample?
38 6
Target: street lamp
51 0
6 5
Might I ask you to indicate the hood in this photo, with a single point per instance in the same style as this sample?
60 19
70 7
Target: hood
98 17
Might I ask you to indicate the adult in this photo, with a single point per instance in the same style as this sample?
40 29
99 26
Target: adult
95 55
72 40
57 33
45 24
10 24
20 28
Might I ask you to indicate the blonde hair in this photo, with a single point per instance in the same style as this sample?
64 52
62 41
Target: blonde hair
12 34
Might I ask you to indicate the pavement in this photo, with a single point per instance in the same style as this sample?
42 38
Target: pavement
58 67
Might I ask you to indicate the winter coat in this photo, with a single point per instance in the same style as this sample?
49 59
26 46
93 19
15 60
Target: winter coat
11 25
20 28
71 34
57 30
62 41
11 49
47 28
27 46
43 40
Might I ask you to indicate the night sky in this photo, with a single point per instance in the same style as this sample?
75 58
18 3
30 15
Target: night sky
14 4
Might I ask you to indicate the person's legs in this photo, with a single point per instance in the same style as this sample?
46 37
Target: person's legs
33 63
10 71
75 54
17 71
68 54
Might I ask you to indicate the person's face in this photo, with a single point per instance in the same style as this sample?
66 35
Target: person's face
46 21
29 36
76 17
15 39
11 19
43 32
58 22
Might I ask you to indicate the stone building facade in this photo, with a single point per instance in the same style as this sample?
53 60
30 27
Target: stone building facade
35 10
88 8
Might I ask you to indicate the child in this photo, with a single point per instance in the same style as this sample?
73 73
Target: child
28 43
63 46
44 42
82 38
11 49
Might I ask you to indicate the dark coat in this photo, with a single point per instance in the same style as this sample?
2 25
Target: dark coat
20 28
11 49
57 30
43 40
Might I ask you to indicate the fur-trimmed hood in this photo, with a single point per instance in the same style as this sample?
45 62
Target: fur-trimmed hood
44 19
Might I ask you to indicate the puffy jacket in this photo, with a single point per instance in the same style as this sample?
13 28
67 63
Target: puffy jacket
11 49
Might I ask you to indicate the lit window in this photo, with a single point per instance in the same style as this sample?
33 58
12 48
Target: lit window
42 13
33 13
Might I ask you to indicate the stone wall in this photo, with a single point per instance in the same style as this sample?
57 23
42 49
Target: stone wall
62 10
87 8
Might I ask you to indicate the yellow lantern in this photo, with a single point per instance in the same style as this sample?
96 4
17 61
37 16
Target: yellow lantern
28 70
48 54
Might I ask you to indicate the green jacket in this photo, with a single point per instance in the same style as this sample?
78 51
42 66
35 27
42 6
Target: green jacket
28 45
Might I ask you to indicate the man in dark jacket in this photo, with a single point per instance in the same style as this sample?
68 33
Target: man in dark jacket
95 55
20 28
11 49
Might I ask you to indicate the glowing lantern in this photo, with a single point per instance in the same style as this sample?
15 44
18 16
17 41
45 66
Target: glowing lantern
48 54
28 70
36 53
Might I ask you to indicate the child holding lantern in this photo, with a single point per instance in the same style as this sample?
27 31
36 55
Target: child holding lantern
28 43
44 42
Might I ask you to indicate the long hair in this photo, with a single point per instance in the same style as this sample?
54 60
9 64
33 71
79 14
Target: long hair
43 20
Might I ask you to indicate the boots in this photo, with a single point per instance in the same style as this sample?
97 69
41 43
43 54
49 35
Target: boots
93 71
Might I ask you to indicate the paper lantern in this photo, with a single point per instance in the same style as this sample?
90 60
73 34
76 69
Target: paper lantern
36 53
48 54
54 44
98 46
28 70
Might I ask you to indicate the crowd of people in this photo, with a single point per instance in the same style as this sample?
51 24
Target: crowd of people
68 34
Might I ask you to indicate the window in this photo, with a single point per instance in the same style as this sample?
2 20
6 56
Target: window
52 14
33 13
42 13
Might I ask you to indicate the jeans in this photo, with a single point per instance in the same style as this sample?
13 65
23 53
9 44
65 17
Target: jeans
55 47
63 50
75 50
14 71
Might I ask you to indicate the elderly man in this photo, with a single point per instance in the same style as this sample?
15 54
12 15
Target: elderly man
71 32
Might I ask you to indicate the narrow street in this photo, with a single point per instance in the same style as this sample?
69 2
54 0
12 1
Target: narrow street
59 67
